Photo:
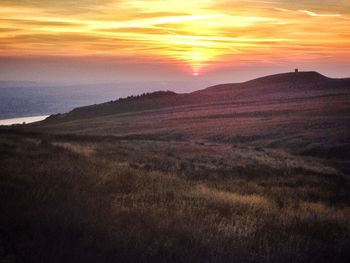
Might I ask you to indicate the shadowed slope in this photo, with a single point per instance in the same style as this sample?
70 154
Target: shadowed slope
304 112
280 86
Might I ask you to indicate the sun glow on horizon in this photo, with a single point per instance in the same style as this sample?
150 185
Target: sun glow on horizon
199 34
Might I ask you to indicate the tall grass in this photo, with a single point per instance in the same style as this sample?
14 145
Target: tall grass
69 201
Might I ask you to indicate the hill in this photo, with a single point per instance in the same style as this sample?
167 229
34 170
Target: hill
249 172
280 86
304 112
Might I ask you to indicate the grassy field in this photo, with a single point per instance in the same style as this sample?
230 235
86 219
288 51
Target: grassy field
67 198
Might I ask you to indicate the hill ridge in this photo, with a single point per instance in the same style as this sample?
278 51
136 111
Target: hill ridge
278 86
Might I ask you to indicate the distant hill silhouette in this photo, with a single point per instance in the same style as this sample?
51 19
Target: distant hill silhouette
275 87
141 102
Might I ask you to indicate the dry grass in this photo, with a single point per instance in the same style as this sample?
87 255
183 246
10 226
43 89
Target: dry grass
321 209
65 200
85 150
249 200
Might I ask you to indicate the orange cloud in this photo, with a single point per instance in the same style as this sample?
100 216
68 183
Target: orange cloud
199 34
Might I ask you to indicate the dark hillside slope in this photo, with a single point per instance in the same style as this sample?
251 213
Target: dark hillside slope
142 102
304 112
279 86
275 87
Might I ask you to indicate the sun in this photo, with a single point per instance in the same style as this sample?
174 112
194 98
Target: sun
195 74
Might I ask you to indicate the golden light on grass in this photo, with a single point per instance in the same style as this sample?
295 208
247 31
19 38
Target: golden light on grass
222 196
85 150
198 34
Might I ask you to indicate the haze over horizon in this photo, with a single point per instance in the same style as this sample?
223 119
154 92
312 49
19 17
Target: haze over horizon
121 40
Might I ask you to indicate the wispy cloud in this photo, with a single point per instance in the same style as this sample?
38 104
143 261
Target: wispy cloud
281 9
196 33
310 13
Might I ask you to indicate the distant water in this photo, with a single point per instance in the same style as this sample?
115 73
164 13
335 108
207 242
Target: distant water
23 120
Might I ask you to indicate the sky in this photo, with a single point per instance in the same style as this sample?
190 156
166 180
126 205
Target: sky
157 40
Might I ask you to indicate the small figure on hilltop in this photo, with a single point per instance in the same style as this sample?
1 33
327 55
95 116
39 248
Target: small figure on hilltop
296 70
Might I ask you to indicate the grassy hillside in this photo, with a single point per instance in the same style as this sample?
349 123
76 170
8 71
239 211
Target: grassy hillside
96 199
250 172
275 88
303 113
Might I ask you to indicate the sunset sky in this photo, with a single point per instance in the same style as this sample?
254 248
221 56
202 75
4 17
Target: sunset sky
156 40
